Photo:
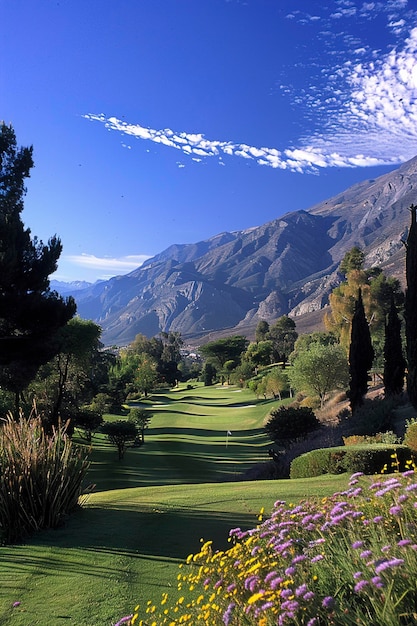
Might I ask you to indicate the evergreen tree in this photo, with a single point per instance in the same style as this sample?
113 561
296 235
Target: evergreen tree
394 362
30 313
361 356
411 308
353 260
283 336
262 330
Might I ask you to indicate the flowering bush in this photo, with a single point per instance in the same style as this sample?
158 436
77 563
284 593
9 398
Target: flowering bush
347 559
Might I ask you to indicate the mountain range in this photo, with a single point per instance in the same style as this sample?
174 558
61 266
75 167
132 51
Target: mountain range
233 280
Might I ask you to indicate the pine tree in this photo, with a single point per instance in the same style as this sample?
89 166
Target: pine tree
361 356
30 313
411 308
394 362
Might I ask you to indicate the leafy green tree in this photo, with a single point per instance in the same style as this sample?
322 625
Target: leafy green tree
208 374
172 343
30 313
227 370
319 370
276 382
141 418
241 374
121 377
64 384
394 361
227 349
189 368
164 350
259 353
411 308
304 342
153 347
101 402
258 386
88 420
262 330
283 336
361 356
120 434
146 375
167 366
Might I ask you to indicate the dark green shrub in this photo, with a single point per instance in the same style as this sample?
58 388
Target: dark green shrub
40 477
88 420
373 416
371 459
290 423
120 433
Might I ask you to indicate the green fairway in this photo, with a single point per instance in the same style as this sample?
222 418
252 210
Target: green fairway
125 545
188 440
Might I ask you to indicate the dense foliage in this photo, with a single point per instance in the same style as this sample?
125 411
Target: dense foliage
361 356
320 369
287 424
30 313
411 308
377 291
227 349
120 433
394 361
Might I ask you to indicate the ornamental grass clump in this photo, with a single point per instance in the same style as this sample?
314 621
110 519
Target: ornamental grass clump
40 477
348 559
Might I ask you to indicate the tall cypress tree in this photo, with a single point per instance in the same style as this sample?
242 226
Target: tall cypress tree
30 313
394 362
411 307
361 356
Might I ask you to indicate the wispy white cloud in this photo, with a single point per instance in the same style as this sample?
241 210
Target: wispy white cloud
380 112
108 265
365 113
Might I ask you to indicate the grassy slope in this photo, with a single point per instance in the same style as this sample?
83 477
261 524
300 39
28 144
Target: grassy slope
125 546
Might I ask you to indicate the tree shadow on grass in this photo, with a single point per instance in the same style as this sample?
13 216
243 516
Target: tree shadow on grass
155 532
176 459
204 433
161 409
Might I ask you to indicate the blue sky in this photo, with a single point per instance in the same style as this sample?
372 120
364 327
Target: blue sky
168 121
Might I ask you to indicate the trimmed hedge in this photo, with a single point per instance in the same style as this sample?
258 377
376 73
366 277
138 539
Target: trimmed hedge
371 459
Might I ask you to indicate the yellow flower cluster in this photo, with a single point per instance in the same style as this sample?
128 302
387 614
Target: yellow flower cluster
306 564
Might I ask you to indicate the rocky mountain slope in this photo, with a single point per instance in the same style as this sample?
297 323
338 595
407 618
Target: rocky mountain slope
232 280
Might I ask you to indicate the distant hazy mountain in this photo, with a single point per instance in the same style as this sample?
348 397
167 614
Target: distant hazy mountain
232 280
66 289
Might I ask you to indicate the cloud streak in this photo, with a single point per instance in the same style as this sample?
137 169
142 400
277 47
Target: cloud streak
110 266
371 117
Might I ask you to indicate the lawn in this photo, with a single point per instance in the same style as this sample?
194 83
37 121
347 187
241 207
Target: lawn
149 512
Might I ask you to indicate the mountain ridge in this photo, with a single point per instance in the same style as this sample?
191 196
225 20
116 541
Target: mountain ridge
286 266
